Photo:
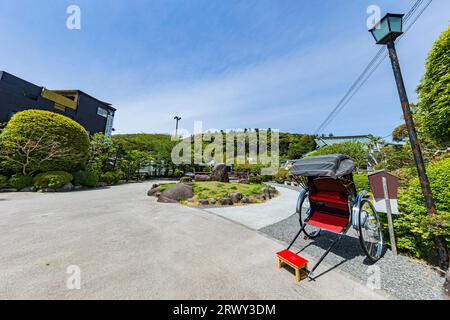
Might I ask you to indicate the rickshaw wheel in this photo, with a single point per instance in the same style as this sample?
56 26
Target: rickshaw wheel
370 233
304 210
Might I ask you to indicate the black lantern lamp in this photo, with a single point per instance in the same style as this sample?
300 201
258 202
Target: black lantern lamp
388 29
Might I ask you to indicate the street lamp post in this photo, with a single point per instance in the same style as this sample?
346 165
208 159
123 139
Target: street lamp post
177 119
385 33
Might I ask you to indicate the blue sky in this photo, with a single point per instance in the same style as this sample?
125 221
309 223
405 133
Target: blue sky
277 64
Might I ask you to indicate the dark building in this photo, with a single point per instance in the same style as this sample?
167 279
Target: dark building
17 94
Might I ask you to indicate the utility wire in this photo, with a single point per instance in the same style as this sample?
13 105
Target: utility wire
371 67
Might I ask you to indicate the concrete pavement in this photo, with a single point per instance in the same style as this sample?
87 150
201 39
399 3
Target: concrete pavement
257 216
128 246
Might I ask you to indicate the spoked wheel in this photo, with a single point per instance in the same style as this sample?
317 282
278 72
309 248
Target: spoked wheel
304 211
370 233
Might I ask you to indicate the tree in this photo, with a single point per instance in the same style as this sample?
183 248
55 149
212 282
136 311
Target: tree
101 153
434 93
400 133
37 140
132 161
357 150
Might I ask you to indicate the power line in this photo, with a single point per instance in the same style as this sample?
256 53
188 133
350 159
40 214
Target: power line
371 67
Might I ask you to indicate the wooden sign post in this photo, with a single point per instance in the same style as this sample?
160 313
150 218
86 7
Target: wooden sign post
384 189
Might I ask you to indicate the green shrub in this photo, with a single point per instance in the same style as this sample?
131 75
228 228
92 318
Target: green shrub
38 140
18 181
110 177
281 176
255 180
361 182
52 179
266 178
85 178
186 180
3 181
414 229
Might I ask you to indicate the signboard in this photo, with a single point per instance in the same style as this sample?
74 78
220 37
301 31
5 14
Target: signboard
376 183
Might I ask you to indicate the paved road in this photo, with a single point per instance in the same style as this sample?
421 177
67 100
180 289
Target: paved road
257 216
129 246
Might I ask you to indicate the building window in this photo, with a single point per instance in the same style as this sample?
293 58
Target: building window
102 112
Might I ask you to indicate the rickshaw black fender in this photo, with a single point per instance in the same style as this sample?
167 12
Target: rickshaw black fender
364 195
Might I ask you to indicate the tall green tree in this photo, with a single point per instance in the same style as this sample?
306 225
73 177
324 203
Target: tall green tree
434 93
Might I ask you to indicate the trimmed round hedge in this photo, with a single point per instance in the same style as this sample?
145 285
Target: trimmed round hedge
85 178
3 181
19 182
53 180
55 142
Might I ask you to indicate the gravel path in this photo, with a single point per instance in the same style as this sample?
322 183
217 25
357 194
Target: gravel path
401 276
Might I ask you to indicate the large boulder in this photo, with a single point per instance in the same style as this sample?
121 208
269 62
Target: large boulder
447 286
202 177
225 202
176 193
153 191
220 173
235 196
67 188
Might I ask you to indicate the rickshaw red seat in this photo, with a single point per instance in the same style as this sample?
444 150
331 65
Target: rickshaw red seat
328 222
333 197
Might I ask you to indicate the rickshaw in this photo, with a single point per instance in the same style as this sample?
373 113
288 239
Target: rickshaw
329 201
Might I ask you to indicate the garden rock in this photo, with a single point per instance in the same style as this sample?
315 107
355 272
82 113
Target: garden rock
212 201
220 173
447 286
226 202
202 177
176 193
203 202
244 181
27 189
258 197
245 200
46 190
67 188
235 196
153 191
268 193
8 190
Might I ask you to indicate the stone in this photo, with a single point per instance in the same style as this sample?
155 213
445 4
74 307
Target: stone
245 200
155 185
27 189
244 181
46 190
267 193
203 202
258 197
153 191
226 202
102 184
176 193
67 188
447 286
8 190
212 201
220 173
202 177
235 196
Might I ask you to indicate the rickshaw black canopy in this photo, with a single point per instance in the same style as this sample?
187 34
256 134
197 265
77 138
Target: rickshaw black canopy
333 166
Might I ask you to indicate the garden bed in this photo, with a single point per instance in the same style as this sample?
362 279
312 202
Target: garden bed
221 193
